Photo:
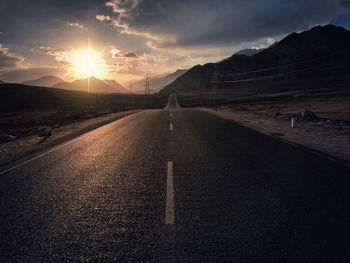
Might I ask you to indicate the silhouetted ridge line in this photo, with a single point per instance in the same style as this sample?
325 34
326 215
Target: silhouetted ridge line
312 52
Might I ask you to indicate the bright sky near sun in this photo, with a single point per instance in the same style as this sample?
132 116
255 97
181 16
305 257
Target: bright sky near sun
86 63
128 39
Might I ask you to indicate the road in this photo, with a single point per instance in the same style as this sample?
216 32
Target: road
175 185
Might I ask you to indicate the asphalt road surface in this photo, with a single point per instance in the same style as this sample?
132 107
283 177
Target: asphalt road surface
175 185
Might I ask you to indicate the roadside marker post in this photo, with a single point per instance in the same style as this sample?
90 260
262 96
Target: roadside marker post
292 122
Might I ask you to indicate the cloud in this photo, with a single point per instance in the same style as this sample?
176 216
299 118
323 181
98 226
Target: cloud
77 25
270 40
117 54
8 60
146 63
167 33
130 55
263 43
346 3
47 50
103 18
191 23
58 55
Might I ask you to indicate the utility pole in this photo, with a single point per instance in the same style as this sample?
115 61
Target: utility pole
130 88
214 78
214 85
147 85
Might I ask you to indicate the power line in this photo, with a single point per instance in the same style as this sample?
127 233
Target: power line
214 77
344 53
305 70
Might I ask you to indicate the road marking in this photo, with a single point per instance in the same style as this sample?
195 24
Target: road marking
170 206
171 115
171 126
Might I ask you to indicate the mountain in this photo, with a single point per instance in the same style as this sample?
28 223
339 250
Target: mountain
249 52
96 85
119 88
157 83
46 81
308 52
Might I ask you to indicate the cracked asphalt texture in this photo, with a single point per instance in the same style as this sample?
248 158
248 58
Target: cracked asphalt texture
240 196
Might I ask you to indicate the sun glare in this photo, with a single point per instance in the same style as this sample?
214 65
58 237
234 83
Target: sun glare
88 63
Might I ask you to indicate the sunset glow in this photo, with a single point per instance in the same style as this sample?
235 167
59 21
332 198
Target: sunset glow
87 63
125 40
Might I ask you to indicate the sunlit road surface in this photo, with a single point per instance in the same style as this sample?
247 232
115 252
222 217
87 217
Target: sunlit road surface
205 190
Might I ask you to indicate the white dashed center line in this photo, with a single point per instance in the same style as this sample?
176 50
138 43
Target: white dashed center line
170 206
171 126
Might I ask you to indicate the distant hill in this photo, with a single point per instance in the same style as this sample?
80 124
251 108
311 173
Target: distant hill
16 97
115 85
157 83
46 81
308 52
249 52
96 85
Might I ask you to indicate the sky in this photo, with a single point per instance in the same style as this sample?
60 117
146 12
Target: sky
124 40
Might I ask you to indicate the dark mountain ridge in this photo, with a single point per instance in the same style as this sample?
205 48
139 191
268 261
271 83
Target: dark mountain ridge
248 52
313 50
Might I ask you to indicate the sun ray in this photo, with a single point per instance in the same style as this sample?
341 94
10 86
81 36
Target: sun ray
87 63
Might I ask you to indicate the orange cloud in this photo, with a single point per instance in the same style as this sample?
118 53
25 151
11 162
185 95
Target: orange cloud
77 25
103 18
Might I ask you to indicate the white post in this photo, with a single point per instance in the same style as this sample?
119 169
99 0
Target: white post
292 122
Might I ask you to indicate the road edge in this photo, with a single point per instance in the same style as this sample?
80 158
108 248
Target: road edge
295 144
60 142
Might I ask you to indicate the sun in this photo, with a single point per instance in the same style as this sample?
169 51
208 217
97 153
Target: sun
88 63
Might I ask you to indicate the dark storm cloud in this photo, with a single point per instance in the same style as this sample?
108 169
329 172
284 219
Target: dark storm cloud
8 60
346 3
20 18
170 23
230 22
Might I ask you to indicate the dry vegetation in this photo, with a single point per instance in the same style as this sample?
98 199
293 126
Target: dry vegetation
24 108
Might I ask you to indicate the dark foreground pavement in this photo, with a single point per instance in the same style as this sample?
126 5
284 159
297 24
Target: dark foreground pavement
239 196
